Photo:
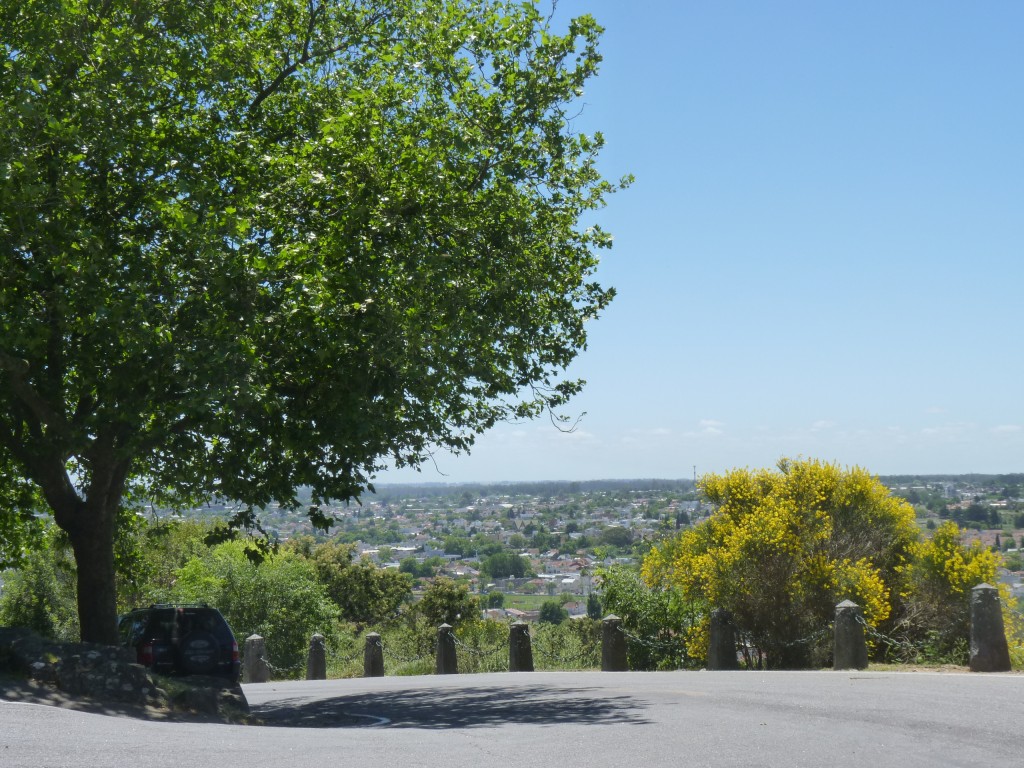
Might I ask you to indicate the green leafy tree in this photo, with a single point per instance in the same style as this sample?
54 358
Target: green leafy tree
409 565
495 599
40 594
447 601
250 247
552 612
616 536
279 599
364 593
21 527
503 565
165 546
457 545
658 618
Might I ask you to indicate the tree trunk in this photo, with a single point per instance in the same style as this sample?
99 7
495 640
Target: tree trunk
91 525
93 542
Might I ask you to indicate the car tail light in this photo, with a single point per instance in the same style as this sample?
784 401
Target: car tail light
146 654
234 651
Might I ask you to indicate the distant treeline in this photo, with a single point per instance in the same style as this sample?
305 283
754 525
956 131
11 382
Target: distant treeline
392 491
388 491
982 481
385 492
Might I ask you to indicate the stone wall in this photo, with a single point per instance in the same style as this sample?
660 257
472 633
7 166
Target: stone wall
109 674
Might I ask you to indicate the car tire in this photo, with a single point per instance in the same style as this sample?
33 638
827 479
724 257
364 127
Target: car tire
199 652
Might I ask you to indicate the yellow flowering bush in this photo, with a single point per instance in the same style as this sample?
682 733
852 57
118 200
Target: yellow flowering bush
936 613
784 546
947 566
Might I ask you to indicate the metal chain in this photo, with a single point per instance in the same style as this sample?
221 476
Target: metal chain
478 652
811 638
906 647
653 643
349 658
584 658
282 671
483 656
393 655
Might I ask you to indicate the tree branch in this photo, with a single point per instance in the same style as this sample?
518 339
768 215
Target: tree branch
17 377
306 56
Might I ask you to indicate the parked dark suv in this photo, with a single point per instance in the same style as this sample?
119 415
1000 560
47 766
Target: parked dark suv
181 640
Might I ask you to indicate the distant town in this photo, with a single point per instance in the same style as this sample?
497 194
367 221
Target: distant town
548 538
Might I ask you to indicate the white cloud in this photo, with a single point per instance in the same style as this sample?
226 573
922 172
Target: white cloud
1007 428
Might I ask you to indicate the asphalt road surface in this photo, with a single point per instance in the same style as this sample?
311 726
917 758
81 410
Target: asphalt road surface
855 719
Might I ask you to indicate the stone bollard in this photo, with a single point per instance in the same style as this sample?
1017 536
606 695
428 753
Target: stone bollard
613 645
722 641
256 669
989 651
520 649
447 662
373 656
316 661
849 649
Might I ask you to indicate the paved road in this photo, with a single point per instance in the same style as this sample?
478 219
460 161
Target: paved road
856 719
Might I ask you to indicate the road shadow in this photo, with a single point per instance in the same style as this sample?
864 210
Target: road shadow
200 708
446 708
19 691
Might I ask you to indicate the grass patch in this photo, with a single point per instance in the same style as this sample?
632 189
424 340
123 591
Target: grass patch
527 602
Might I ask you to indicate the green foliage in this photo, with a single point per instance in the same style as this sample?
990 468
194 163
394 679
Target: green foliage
552 612
657 619
280 599
594 609
457 545
363 593
495 599
252 247
40 595
482 646
21 524
568 645
616 536
447 602
149 553
502 565
423 570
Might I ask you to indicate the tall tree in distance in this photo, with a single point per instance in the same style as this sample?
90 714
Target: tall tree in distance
249 246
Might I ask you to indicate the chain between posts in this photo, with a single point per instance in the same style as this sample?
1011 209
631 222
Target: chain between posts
654 643
476 651
814 637
394 656
498 652
349 658
584 658
283 672
907 648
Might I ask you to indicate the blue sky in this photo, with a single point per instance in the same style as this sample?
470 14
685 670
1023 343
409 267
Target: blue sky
823 252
